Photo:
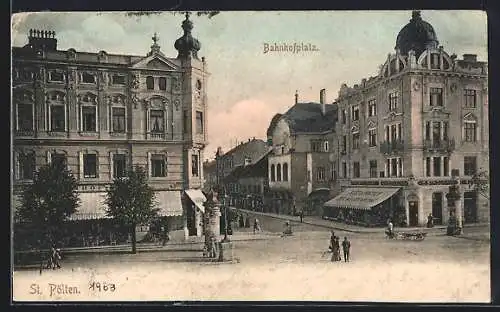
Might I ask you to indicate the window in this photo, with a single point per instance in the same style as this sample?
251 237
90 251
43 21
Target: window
344 169
427 166
89 114
119 165
118 119
372 108
58 158
393 101
435 61
162 83
56 76
285 172
118 79
436 133
469 98
373 169
470 131
88 78
437 166
90 166
57 118
150 83
445 130
428 130
25 117
344 117
278 172
394 167
344 144
355 140
26 165
157 120
199 122
436 97
470 165
325 145
185 123
355 113
356 170
320 174
446 166
316 146
400 167
273 173
195 165
372 137
158 166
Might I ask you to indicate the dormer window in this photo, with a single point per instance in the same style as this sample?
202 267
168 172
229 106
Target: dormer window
56 76
435 61
88 78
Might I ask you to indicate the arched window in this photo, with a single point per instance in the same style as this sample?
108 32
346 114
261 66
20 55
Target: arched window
273 174
285 172
150 82
278 172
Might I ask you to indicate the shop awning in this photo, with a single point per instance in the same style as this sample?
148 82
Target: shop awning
197 197
169 203
362 198
91 207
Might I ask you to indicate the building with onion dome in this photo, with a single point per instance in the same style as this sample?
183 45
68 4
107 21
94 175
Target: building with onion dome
102 113
402 133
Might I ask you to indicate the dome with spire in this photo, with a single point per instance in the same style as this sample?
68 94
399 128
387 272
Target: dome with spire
417 35
187 45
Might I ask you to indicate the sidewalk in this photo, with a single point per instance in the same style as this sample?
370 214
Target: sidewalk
318 221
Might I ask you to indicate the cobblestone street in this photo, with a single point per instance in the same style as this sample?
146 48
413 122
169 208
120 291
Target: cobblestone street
446 269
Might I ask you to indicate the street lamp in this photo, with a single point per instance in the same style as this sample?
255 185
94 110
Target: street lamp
224 202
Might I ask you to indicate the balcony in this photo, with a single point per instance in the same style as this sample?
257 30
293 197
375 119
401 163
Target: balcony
445 145
25 133
392 147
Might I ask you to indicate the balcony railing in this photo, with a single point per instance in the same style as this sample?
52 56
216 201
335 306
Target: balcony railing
156 136
445 145
392 147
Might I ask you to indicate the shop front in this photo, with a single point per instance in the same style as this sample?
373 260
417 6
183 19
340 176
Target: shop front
194 201
315 201
365 206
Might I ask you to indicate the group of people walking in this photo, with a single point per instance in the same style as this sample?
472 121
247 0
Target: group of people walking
335 248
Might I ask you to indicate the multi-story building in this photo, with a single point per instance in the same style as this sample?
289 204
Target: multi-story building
209 175
102 113
403 132
302 163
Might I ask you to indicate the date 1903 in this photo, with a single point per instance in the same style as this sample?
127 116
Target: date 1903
102 286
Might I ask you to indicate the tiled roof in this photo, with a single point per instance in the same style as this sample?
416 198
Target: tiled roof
307 117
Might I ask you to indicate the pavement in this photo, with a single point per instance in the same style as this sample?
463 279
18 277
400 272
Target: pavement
320 222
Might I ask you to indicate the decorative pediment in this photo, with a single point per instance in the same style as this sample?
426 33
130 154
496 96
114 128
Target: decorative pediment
24 96
354 129
438 112
158 102
392 115
470 117
87 97
56 96
371 124
155 62
117 98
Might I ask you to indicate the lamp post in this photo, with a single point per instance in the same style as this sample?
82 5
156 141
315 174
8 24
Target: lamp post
224 202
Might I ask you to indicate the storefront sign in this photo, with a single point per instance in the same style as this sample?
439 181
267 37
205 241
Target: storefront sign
93 187
395 183
436 182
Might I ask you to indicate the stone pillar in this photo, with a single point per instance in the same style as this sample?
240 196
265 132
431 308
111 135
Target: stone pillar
198 222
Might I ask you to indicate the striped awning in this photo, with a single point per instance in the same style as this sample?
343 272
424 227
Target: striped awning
362 198
92 207
169 203
197 197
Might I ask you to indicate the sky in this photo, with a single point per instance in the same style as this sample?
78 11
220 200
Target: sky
247 87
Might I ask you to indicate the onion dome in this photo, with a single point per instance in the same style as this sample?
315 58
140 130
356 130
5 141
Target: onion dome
187 45
417 35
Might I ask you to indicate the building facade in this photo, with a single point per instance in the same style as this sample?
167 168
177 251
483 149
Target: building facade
425 114
104 113
302 162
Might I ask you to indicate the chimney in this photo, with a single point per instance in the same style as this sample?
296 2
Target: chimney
322 101
470 57
296 96
42 39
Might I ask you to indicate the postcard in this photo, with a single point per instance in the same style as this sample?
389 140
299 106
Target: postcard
238 156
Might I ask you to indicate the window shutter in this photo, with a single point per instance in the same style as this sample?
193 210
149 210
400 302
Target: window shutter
148 165
80 165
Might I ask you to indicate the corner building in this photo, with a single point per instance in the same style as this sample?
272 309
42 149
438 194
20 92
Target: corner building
401 133
104 113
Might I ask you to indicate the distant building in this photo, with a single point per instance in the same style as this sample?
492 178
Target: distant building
400 134
302 163
209 175
103 113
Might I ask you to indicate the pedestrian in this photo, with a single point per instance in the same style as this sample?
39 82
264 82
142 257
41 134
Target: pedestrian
430 222
332 241
301 214
390 228
337 241
256 226
346 246
213 248
335 249
55 256
164 236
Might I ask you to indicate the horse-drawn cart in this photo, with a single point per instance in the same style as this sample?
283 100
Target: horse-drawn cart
416 236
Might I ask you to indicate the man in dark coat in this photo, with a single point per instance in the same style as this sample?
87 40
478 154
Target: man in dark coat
346 246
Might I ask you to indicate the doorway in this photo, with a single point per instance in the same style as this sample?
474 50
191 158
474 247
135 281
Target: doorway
191 224
413 213
470 207
437 208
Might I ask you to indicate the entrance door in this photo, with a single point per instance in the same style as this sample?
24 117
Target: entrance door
437 208
413 213
470 207
191 224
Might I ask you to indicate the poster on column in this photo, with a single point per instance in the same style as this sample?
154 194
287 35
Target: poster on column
310 105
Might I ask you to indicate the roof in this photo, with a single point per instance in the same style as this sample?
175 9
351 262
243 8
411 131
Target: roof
308 117
272 124
416 35
250 170
244 144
